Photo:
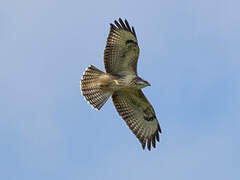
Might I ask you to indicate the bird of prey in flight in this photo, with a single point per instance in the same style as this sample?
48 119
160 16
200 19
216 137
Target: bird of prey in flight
122 83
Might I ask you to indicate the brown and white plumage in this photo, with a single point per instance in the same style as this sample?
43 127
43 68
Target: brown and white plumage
139 115
122 51
93 94
122 83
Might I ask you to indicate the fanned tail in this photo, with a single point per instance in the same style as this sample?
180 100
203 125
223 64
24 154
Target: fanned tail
91 88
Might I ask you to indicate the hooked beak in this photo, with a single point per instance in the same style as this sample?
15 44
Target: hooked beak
148 84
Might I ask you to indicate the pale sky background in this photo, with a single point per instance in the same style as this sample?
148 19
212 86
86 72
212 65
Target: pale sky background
189 52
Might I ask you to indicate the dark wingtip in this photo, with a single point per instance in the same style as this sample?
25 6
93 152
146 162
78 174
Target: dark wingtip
121 25
117 24
157 136
113 26
133 31
149 144
153 142
159 129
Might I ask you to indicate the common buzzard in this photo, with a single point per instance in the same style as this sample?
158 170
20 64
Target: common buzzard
122 83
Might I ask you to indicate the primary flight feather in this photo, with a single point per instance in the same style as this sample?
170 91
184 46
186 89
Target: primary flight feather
122 83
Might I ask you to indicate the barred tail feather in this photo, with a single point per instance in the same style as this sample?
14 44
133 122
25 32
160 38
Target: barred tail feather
91 89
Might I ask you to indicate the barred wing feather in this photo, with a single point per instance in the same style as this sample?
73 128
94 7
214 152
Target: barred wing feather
139 115
121 51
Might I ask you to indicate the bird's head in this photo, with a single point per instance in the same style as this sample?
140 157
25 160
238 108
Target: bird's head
139 83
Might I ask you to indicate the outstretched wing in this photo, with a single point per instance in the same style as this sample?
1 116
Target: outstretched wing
139 115
121 51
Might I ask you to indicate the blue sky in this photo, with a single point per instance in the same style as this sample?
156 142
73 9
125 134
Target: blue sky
189 52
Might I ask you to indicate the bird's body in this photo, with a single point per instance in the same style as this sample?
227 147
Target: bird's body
112 83
122 83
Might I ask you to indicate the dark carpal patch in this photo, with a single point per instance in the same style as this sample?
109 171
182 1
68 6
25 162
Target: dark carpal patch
130 41
148 115
149 118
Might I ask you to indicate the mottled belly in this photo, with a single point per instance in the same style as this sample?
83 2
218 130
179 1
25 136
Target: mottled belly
112 83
